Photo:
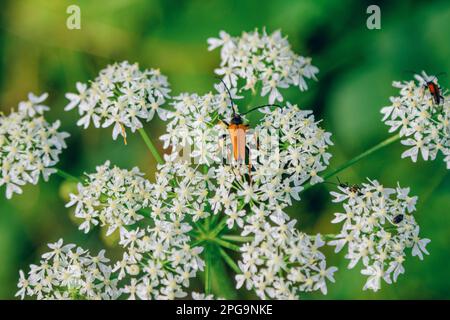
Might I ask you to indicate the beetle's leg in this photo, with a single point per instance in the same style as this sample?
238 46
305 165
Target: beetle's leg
124 134
250 173
257 147
249 164
224 123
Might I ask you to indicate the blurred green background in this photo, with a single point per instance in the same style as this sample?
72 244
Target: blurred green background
38 53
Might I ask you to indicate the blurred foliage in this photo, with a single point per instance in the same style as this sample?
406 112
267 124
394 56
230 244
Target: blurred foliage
38 53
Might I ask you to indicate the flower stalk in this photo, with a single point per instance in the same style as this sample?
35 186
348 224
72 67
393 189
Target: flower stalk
208 269
67 176
151 146
230 262
356 159
227 245
237 238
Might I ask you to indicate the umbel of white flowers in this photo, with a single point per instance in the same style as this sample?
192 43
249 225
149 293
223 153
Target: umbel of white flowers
29 145
378 226
69 272
158 260
423 124
158 222
111 196
263 57
121 96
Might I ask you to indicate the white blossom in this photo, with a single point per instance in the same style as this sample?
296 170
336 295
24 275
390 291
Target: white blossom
423 125
287 150
29 145
121 96
112 197
377 229
69 272
263 57
159 259
281 262
300 153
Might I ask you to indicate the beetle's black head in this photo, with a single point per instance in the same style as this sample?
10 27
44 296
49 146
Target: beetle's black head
237 119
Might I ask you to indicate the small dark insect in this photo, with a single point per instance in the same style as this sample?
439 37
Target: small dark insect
352 188
398 218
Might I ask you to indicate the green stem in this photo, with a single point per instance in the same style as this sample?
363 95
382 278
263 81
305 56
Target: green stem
222 284
151 146
349 163
196 243
208 269
220 226
237 238
67 176
329 236
200 229
214 219
207 224
229 261
226 244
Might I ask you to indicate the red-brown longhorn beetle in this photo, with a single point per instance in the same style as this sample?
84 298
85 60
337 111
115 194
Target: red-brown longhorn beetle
237 130
432 87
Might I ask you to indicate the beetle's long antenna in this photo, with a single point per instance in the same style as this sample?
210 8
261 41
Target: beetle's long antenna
229 93
434 77
263 106
438 75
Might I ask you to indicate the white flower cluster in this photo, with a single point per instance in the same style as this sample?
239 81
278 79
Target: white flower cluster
122 95
69 272
29 145
179 190
111 196
300 153
292 151
378 226
289 150
281 263
424 124
262 57
194 123
202 177
159 261
276 179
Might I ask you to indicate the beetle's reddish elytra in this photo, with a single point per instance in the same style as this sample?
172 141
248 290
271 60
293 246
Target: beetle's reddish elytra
237 129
